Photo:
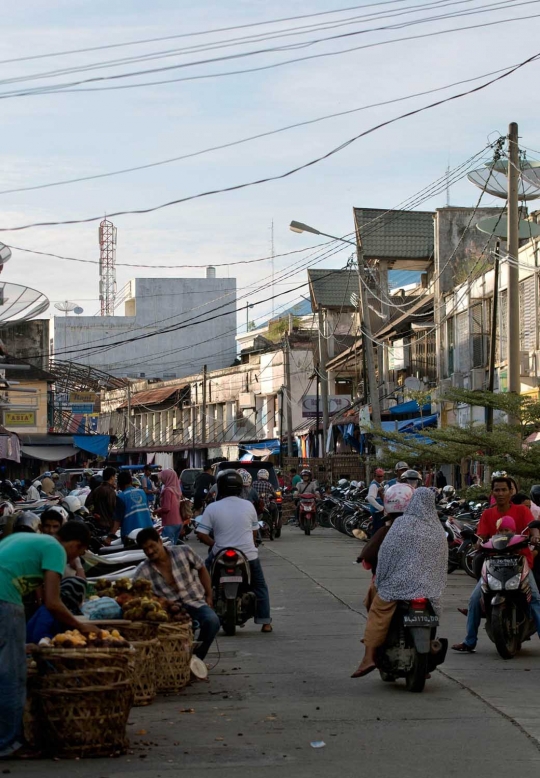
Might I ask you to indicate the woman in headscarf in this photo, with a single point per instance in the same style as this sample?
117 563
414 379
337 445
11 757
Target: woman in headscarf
169 509
413 562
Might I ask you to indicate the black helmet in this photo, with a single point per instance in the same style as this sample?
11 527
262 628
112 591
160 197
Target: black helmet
229 484
535 494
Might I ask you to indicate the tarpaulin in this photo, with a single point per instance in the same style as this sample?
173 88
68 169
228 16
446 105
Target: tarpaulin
49 453
409 407
95 444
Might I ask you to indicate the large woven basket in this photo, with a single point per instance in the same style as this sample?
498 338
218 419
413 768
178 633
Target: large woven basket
139 630
145 676
31 715
89 721
87 662
173 657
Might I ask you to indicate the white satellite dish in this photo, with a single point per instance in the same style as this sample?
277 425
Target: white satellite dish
413 383
5 254
78 310
66 306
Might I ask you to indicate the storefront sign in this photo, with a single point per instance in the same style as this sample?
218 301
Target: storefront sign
82 398
335 403
20 418
83 408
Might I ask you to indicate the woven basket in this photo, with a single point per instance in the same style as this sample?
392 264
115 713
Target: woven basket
145 676
173 656
90 721
139 630
31 723
87 662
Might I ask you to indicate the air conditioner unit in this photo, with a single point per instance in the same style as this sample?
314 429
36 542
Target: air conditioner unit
444 384
524 363
246 400
457 380
477 379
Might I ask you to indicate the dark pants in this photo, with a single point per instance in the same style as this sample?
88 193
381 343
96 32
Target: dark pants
209 627
378 521
12 676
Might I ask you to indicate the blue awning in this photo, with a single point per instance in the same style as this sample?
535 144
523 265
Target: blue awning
94 444
409 407
274 443
418 424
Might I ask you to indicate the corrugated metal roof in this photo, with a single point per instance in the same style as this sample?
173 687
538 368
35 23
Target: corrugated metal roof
333 289
395 234
152 396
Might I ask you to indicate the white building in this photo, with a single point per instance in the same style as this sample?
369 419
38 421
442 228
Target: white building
194 321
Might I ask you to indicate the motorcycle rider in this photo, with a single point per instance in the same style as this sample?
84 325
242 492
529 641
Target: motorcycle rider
234 524
399 469
267 496
306 486
248 493
412 562
396 499
33 493
501 490
375 500
412 477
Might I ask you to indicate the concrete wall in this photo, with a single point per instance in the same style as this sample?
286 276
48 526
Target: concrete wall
33 402
28 340
157 303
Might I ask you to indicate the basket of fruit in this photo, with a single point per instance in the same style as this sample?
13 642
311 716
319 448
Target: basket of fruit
86 656
174 656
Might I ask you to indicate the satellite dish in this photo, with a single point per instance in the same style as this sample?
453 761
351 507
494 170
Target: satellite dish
413 383
65 306
78 310
495 226
5 254
20 303
493 179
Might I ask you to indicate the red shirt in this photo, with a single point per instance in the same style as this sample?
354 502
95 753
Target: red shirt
521 515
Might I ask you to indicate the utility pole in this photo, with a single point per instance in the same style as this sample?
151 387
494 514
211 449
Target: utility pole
203 420
126 430
318 414
321 369
273 254
513 350
368 343
287 366
493 336
281 427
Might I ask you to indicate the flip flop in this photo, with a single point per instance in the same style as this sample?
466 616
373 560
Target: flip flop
367 671
267 630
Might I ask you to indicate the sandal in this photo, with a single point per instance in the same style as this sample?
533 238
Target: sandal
366 671
463 648
267 628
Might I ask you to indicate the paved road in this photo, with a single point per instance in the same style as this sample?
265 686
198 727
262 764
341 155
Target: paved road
270 696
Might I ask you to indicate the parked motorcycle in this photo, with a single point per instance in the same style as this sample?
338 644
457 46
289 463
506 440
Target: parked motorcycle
234 602
307 512
411 649
506 593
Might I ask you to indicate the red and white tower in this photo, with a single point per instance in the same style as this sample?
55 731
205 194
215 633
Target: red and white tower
107 267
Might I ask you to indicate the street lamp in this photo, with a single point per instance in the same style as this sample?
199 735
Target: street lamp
366 324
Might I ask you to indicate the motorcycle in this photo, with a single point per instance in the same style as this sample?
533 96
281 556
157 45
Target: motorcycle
307 512
506 593
411 649
234 602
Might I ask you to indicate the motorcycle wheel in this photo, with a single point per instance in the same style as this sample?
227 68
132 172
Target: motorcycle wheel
452 566
469 563
416 679
307 528
506 644
229 620
387 677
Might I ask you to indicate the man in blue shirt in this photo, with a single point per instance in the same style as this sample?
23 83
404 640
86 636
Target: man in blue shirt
399 469
132 510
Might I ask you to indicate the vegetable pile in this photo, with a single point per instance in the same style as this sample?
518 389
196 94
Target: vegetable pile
138 603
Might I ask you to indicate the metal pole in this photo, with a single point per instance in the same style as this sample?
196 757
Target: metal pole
321 368
286 353
317 381
368 343
493 341
247 317
513 349
281 427
126 431
203 420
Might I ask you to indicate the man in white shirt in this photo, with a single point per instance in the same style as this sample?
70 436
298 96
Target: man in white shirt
233 523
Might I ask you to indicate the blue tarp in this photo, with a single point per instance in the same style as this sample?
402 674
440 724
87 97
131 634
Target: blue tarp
261 444
409 407
347 430
95 444
418 424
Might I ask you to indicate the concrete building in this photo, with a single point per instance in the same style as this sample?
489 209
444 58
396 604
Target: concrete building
198 316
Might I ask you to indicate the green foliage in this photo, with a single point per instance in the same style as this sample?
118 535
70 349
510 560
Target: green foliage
278 328
500 449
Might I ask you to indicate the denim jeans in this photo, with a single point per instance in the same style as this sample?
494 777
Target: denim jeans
260 590
12 676
171 531
209 626
474 616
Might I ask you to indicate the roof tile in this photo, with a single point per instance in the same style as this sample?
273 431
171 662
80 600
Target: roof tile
395 234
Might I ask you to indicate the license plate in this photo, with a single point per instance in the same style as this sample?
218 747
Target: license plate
420 620
232 579
498 564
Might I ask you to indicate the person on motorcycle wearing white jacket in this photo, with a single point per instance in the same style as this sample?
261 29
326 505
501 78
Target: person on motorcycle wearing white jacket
233 523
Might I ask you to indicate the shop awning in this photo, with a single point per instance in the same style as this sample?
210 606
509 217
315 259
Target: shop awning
408 425
94 444
409 407
263 448
49 453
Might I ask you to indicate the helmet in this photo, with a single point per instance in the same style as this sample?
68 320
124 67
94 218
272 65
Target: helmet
397 497
88 471
135 481
499 474
47 475
401 466
37 484
448 491
379 471
342 482
64 515
305 471
246 477
6 509
26 522
229 484
354 484
535 494
71 503
411 475
55 476
263 475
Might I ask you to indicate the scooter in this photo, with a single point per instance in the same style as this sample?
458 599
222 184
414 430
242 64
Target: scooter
307 512
234 602
411 649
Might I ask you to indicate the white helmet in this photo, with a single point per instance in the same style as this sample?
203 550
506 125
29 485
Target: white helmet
342 482
354 484
27 521
64 515
247 480
37 484
411 477
401 466
71 503
448 490
397 497
263 475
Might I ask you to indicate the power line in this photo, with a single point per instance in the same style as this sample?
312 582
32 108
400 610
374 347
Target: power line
288 173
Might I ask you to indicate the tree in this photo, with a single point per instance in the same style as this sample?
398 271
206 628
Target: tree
501 449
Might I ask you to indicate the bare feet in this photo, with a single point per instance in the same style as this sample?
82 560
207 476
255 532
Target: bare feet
364 669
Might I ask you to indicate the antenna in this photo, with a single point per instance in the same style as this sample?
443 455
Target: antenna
78 310
65 306
273 254
448 186
107 267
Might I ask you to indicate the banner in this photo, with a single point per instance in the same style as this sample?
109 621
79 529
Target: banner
19 418
336 403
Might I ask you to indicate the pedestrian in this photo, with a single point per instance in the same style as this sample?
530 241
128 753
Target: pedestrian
47 484
170 506
132 510
27 561
103 500
440 479
399 469
267 497
147 485
375 500
201 487
295 478
180 576
33 493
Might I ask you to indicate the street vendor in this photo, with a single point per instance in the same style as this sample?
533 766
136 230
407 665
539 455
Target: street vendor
179 575
28 560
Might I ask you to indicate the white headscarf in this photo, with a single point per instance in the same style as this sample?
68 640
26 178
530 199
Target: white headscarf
413 558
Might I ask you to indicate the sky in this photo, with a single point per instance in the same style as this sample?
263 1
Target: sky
54 137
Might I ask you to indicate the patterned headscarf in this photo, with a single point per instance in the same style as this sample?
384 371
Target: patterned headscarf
413 559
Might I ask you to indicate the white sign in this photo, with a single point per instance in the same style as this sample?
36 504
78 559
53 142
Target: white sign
397 356
336 403
364 419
